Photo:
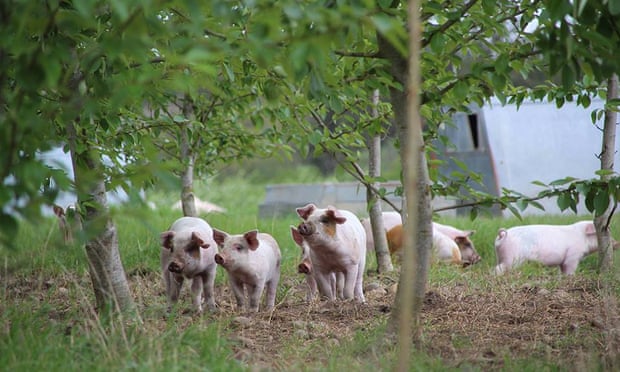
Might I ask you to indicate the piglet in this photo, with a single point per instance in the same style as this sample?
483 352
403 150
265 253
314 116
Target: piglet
337 244
252 261
444 248
469 255
188 252
305 267
551 245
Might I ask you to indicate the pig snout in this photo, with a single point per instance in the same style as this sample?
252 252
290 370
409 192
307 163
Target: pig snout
304 268
219 259
305 229
471 259
175 267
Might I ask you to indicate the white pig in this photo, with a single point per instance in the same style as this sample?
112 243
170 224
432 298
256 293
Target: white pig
469 255
390 219
305 267
337 244
188 252
252 261
551 245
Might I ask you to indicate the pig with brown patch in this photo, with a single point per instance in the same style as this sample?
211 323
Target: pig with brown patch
252 261
305 267
337 243
188 252
552 245
444 248
390 219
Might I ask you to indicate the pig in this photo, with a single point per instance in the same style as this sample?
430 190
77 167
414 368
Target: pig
390 219
337 244
551 245
188 252
69 221
305 267
469 255
444 248
252 261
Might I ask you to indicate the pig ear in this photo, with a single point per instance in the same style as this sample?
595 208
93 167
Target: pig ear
333 214
166 239
296 236
251 237
306 211
219 237
590 229
196 238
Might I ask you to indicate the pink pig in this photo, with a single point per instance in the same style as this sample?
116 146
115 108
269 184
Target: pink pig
252 261
337 243
188 252
305 267
551 245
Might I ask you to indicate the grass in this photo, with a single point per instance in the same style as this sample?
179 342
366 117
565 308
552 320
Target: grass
47 321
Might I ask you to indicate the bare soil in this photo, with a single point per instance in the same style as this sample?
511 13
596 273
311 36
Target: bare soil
573 326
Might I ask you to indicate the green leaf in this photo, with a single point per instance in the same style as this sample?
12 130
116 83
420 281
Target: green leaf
614 7
564 201
438 43
601 202
316 137
568 77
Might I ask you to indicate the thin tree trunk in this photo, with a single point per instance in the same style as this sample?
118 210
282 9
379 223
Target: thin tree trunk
384 262
605 258
187 155
417 214
105 266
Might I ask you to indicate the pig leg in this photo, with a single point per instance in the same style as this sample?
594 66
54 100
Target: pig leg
359 282
237 289
270 296
254 293
323 280
337 280
350 280
173 287
197 293
569 266
312 288
208 282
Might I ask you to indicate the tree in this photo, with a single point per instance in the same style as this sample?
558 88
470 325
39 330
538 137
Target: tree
384 262
580 42
416 258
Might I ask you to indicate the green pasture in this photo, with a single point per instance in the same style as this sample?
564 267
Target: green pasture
52 327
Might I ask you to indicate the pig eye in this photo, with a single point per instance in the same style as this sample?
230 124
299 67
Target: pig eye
238 247
324 219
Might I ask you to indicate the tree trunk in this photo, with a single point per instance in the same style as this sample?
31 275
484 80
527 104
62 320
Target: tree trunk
105 267
384 262
605 258
417 214
187 155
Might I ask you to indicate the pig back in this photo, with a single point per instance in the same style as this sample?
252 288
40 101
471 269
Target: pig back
271 245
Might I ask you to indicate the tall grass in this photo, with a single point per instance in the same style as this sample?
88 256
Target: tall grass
52 327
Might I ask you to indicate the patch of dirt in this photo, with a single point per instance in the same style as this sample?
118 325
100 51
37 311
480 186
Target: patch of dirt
572 325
